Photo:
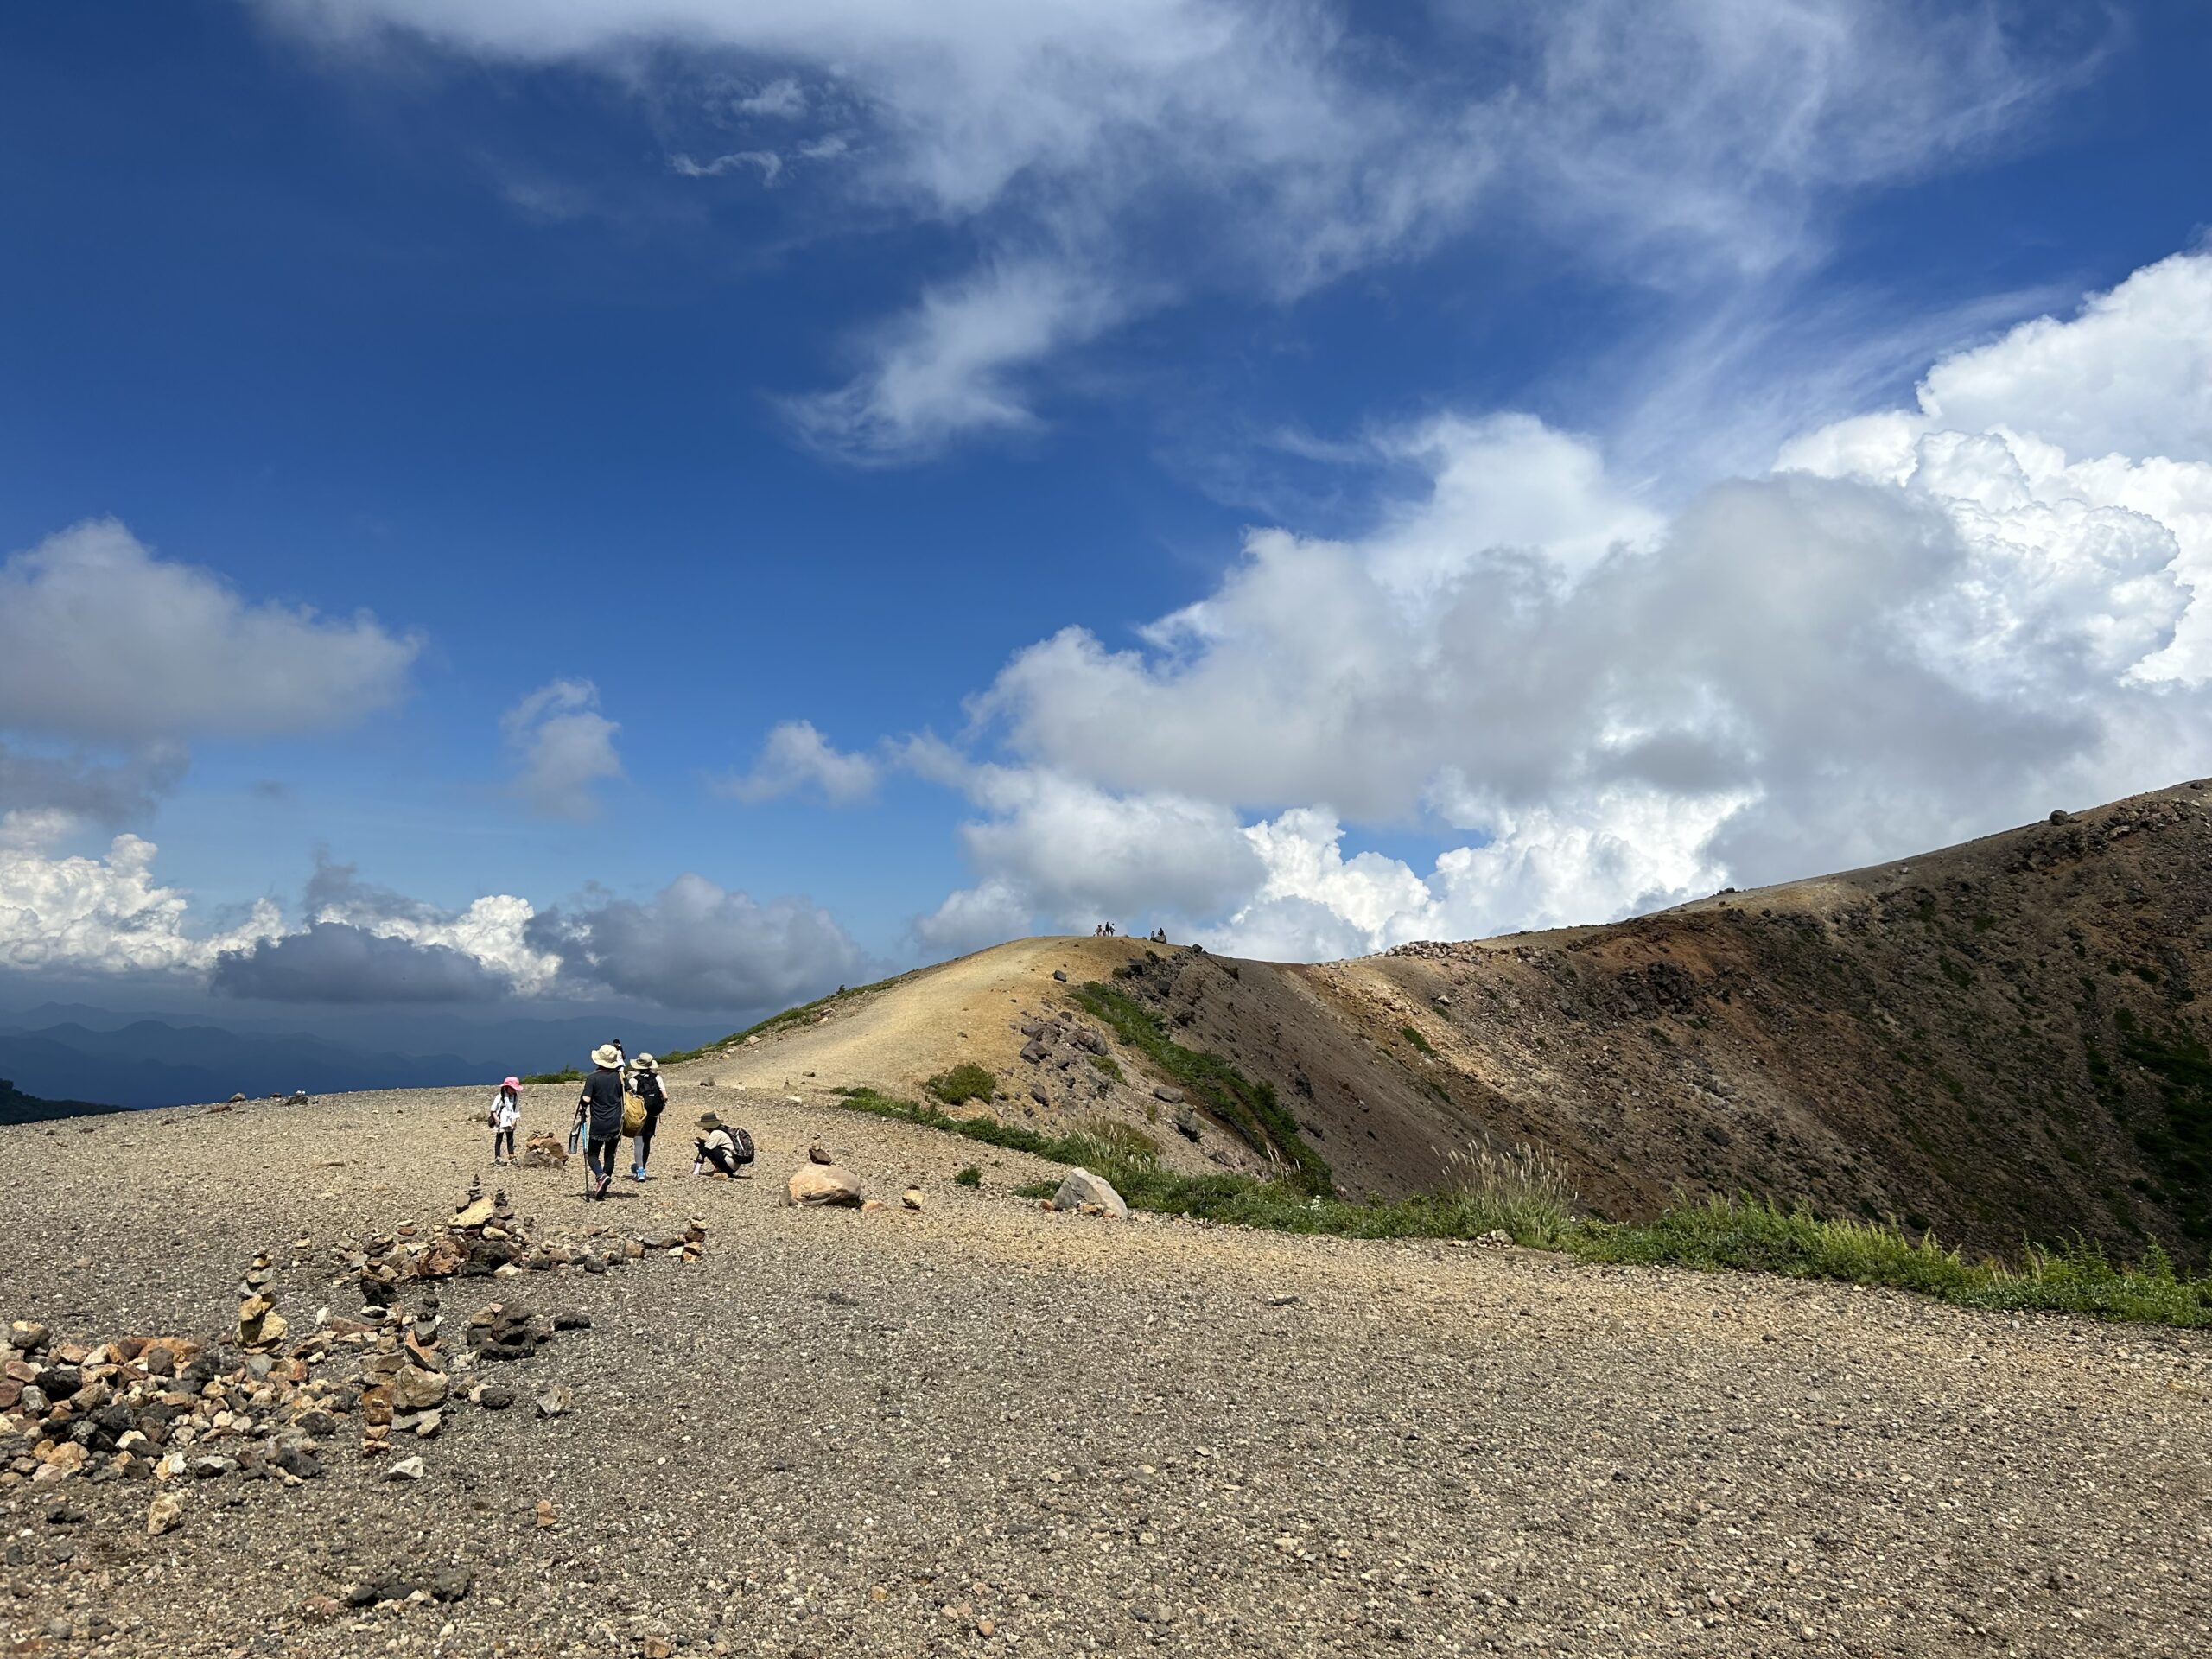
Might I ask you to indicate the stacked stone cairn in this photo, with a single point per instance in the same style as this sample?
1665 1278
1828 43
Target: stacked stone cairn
266 1403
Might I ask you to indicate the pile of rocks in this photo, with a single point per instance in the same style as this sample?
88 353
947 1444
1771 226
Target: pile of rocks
266 1404
1062 1050
486 1239
168 1410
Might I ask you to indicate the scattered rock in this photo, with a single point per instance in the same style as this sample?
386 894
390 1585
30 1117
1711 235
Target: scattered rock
405 1469
543 1151
237 1100
1171 1097
416 1390
2062 815
1284 1299
548 1517
818 1153
163 1515
495 1396
1061 975
556 1401
912 1197
822 1184
1496 1239
1080 1190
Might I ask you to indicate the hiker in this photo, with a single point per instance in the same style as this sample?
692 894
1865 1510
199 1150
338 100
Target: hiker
506 1107
646 1075
599 1112
729 1150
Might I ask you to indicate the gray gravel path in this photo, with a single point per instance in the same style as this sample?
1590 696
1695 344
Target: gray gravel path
981 1428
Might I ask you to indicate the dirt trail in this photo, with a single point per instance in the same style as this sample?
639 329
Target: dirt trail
983 1429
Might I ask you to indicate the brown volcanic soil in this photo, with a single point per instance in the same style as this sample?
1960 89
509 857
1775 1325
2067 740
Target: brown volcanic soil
847 1432
2003 1039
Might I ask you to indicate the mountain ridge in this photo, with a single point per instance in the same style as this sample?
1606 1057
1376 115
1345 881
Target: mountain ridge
2000 1040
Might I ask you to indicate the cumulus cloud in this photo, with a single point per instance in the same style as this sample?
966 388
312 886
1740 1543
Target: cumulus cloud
102 642
1907 633
492 930
796 759
1273 148
695 946
332 962
71 913
562 746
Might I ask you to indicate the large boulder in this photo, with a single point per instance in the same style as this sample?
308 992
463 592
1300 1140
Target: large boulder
1081 1190
824 1184
545 1152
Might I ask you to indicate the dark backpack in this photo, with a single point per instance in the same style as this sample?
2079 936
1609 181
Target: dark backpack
651 1092
741 1141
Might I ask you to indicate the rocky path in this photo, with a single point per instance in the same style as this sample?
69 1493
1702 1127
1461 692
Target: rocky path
980 1428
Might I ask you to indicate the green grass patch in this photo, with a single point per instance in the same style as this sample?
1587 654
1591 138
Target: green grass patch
570 1075
1109 1065
1249 1107
968 1176
1412 1034
964 1082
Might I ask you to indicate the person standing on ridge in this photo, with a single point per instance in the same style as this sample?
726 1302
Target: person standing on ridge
506 1107
646 1075
600 1106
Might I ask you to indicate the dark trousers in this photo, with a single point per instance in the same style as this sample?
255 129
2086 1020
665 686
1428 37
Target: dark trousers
502 1142
599 1157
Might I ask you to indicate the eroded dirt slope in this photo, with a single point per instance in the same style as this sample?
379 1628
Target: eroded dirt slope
1999 1040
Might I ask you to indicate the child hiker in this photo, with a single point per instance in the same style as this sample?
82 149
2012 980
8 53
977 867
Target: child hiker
506 1107
644 1082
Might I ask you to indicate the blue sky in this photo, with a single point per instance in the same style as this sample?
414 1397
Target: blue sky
760 364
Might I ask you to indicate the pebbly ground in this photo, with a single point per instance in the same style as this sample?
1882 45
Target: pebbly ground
981 1428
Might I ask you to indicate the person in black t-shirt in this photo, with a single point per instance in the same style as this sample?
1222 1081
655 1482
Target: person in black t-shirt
600 1106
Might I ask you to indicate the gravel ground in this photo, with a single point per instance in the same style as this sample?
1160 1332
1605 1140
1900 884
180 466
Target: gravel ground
984 1428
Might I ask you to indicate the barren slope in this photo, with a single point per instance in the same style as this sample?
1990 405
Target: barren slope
1997 1039
980 1429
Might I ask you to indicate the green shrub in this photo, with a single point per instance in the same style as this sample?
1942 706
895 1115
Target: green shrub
964 1082
970 1176
1251 1109
1109 1065
1412 1034
570 1075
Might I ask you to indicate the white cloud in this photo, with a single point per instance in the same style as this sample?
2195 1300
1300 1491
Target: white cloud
1910 633
100 641
953 364
972 917
796 758
782 100
1148 149
68 913
563 746
766 161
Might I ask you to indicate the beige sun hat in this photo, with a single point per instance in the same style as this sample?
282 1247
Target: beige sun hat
607 1057
645 1063
709 1120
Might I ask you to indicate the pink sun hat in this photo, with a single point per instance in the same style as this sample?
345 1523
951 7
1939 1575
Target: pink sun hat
510 1083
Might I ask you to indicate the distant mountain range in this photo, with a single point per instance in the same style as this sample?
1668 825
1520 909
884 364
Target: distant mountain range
71 1053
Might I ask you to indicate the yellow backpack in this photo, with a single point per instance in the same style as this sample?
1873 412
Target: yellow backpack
633 1115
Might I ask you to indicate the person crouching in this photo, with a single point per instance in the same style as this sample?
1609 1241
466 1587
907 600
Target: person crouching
725 1150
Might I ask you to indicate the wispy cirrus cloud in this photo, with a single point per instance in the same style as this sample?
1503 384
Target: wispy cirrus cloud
1105 159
